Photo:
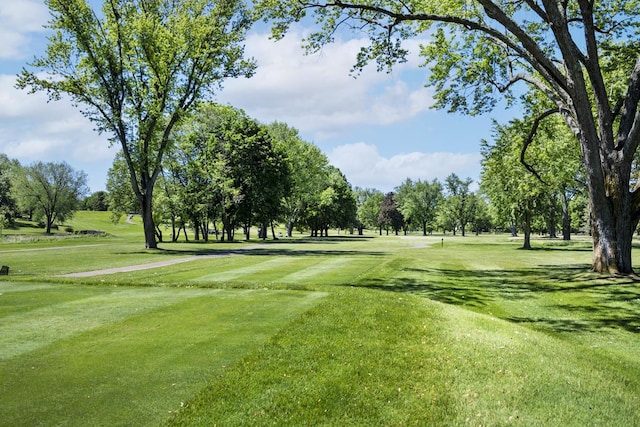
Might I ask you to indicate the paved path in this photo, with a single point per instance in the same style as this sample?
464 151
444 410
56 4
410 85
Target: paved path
156 264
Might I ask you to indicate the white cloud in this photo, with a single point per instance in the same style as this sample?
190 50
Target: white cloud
33 129
17 20
363 165
316 94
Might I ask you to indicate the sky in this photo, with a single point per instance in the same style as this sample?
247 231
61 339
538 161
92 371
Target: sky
378 128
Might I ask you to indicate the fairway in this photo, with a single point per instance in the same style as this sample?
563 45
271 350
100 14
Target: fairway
109 356
345 330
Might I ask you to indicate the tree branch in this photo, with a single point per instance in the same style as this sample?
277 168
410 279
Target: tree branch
529 140
627 137
529 50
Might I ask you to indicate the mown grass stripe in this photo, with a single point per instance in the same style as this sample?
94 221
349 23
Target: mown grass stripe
328 266
243 271
30 330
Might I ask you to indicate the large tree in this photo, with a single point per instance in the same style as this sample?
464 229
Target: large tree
459 205
136 68
581 55
368 202
227 162
335 206
389 215
307 166
418 201
516 196
51 190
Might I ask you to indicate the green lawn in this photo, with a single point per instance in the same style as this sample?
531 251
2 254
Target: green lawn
339 331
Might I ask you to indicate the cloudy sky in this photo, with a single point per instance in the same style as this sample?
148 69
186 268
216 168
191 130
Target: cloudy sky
377 128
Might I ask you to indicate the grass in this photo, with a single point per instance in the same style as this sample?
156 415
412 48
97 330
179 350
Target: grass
339 331
95 356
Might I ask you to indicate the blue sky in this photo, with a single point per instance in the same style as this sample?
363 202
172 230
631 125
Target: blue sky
378 128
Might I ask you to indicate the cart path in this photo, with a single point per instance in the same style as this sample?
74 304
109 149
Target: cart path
157 264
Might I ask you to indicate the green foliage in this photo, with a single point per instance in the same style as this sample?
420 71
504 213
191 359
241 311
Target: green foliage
369 201
517 194
334 207
52 191
459 207
307 166
390 215
225 167
120 195
136 69
578 59
96 202
418 202
8 204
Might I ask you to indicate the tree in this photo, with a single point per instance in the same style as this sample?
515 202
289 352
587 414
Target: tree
368 202
581 56
137 68
334 206
307 171
418 202
52 190
521 196
96 202
389 215
459 204
515 194
481 219
226 162
120 196
8 204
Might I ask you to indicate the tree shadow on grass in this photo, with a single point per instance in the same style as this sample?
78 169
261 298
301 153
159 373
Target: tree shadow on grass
562 298
258 251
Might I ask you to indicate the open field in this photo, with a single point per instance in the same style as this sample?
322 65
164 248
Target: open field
338 331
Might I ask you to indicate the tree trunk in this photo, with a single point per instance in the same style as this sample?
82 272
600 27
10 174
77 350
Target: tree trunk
612 220
566 217
49 224
527 231
174 236
147 219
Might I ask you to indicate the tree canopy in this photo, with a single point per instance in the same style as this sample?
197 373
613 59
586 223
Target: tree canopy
52 191
136 69
581 56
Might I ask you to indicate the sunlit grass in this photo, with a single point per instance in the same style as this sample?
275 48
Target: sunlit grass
436 330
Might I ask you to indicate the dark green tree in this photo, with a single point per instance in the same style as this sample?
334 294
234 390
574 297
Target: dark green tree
390 215
335 206
8 205
96 202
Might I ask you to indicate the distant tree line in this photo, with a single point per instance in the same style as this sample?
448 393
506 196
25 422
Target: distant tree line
225 171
